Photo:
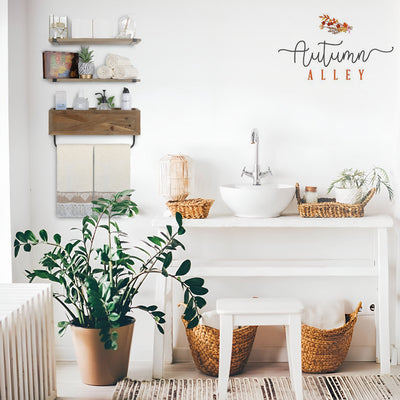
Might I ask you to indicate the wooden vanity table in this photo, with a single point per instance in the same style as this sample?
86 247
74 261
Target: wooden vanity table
377 267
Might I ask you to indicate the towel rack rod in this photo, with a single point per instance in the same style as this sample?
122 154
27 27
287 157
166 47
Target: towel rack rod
133 141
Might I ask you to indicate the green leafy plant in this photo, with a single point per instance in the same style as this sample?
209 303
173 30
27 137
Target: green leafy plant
351 178
100 280
85 55
110 100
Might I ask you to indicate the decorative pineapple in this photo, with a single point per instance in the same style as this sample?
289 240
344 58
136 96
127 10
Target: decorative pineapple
85 65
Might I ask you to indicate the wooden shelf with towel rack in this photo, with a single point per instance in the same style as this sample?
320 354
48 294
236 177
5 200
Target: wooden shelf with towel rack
94 122
76 80
108 41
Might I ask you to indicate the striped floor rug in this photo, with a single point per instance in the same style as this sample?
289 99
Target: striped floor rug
372 387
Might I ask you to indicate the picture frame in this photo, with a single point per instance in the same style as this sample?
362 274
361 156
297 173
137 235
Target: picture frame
60 64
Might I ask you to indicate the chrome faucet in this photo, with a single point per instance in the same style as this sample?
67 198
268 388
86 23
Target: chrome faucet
256 174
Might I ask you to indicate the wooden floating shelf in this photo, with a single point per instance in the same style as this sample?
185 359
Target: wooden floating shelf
109 41
94 122
75 80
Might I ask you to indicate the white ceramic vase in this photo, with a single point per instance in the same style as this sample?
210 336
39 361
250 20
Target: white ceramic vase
348 196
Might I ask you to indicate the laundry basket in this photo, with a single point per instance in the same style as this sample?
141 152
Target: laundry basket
204 345
324 350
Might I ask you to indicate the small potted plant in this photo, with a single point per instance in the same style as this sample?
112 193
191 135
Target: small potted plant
352 184
104 102
85 64
100 278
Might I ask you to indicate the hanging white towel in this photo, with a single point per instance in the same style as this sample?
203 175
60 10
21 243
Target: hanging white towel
125 72
113 60
111 169
74 180
104 72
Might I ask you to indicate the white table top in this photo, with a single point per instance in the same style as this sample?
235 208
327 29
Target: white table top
287 221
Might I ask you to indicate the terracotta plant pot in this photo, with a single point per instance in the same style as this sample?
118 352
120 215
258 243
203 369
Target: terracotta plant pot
98 366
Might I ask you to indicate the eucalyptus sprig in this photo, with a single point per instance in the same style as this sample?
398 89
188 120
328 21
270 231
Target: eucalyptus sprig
100 281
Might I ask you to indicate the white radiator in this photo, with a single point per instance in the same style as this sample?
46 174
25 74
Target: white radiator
27 357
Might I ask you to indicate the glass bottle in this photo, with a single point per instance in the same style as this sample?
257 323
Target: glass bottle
311 194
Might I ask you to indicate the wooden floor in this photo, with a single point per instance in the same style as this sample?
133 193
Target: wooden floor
69 386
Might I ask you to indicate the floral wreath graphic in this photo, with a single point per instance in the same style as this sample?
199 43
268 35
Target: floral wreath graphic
333 25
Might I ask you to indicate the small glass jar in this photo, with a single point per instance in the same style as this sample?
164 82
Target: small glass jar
311 194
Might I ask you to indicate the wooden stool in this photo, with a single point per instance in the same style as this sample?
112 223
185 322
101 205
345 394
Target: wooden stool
260 311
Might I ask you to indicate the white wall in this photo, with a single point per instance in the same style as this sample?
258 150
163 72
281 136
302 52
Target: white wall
5 236
210 72
20 137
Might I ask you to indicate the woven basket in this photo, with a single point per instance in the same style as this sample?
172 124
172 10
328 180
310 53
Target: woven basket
329 208
192 208
204 345
324 350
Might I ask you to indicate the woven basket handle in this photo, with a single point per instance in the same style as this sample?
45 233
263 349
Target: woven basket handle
358 308
298 193
368 197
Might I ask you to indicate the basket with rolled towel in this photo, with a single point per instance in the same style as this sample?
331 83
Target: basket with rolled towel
117 67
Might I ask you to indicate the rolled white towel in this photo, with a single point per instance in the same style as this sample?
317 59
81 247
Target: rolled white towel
104 72
113 60
210 318
325 315
125 72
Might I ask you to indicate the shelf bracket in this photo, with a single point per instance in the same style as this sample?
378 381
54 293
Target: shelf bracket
133 141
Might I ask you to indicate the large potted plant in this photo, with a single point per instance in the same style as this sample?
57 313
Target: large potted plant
100 277
352 184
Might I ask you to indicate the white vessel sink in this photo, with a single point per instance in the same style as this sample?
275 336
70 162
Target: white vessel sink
263 201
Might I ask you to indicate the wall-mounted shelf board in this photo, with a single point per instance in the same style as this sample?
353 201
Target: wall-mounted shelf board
108 41
94 122
76 80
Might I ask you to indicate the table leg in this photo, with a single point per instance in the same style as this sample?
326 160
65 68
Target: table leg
381 260
294 352
225 354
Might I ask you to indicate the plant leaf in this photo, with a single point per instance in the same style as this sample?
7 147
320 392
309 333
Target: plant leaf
43 235
178 217
199 290
194 281
167 260
193 323
184 268
200 302
57 238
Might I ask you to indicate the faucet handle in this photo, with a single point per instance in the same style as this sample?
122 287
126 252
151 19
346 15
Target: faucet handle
265 173
245 172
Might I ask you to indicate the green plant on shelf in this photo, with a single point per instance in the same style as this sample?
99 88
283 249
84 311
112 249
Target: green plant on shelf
103 99
85 55
351 178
